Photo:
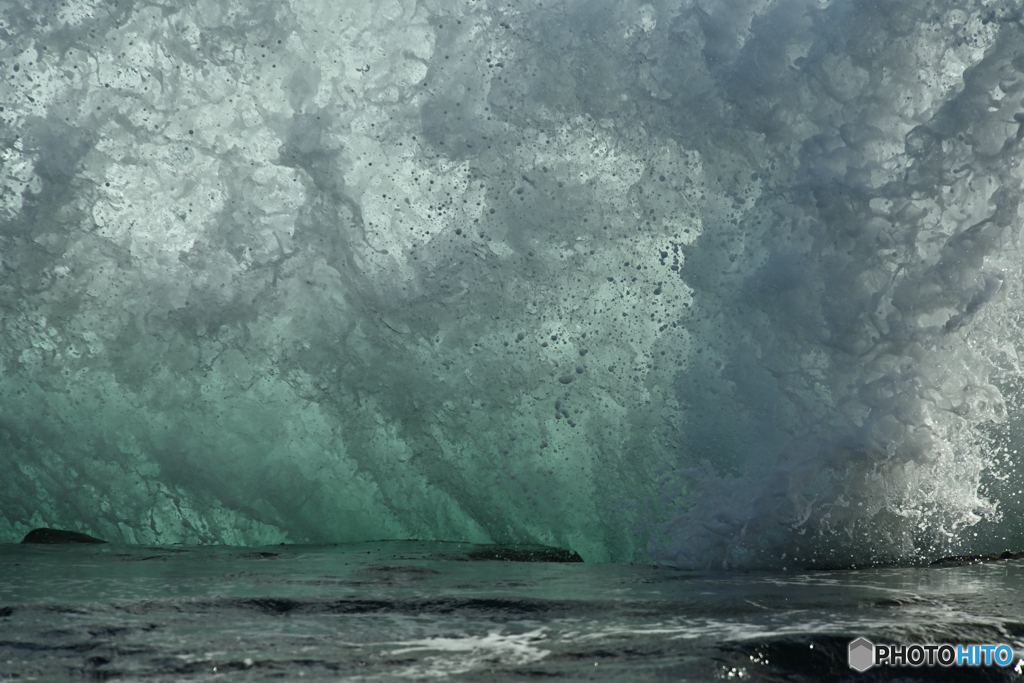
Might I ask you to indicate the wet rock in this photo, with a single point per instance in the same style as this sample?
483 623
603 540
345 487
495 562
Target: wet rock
525 553
56 536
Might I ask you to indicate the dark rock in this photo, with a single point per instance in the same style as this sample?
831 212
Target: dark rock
525 553
55 536
961 560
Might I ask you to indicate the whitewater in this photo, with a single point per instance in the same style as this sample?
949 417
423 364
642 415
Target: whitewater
703 283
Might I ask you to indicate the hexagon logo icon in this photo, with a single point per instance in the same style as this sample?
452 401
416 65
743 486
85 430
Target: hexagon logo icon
862 654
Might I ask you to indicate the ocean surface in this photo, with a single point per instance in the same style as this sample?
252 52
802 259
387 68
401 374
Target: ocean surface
405 611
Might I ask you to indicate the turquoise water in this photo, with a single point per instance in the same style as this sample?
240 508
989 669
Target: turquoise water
426 611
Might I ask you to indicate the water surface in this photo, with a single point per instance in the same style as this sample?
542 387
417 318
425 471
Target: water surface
423 611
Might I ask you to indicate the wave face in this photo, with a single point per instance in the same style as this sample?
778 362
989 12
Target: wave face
711 283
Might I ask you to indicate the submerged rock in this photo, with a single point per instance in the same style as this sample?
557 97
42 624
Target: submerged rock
961 560
525 553
55 536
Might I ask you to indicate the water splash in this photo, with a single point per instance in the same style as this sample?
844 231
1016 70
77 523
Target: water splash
709 283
